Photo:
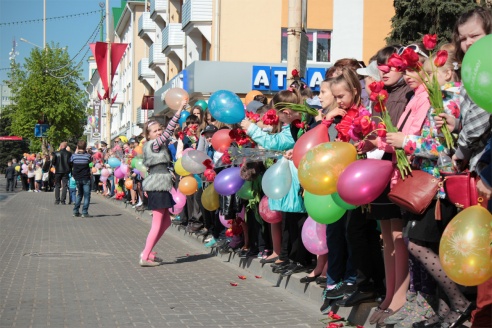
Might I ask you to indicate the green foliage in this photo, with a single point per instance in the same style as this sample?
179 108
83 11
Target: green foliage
415 18
46 89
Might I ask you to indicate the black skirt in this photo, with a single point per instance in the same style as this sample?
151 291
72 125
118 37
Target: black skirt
159 200
425 227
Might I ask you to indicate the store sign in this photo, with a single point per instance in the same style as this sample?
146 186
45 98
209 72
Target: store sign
41 130
96 126
271 78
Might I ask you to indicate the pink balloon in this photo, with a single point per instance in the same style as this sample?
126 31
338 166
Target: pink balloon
105 173
118 174
98 166
241 214
124 169
313 236
178 198
176 210
103 178
364 180
267 214
224 222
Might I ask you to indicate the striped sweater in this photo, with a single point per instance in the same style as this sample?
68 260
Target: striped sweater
80 166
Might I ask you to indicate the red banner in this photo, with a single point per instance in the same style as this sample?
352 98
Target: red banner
100 52
10 138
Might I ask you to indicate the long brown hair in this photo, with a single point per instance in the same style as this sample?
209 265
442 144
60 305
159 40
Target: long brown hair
351 81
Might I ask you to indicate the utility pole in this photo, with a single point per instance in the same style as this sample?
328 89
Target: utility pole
108 58
294 31
44 142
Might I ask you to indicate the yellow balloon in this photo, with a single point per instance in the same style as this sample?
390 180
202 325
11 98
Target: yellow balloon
320 168
123 139
188 185
178 168
465 249
17 168
210 198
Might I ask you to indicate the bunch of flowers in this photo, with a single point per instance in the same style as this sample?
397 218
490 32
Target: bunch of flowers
362 125
241 137
346 124
270 117
253 117
380 96
409 60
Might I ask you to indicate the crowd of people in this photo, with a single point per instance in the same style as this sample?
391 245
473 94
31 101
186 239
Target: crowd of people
404 275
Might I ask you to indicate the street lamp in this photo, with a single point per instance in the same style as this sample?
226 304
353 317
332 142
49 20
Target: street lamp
33 44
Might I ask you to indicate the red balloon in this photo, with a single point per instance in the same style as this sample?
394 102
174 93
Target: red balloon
267 214
221 140
307 141
364 180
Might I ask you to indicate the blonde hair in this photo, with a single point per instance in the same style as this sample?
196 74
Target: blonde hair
351 81
451 63
147 126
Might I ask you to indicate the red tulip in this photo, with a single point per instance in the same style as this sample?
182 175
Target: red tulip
430 41
410 57
376 87
441 58
397 62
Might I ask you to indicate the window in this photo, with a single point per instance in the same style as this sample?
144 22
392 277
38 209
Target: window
319 43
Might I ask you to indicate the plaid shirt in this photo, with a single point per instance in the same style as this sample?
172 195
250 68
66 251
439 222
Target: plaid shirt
475 125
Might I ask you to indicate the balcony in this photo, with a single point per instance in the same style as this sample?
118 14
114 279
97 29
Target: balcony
143 115
158 11
146 27
145 74
156 57
118 97
173 40
197 14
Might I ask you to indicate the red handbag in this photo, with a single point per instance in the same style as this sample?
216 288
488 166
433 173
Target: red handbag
461 190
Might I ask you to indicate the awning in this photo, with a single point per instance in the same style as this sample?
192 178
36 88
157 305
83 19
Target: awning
147 102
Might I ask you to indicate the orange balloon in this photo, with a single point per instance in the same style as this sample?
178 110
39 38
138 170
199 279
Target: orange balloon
251 95
138 150
128 183
94 170
188 185
52 170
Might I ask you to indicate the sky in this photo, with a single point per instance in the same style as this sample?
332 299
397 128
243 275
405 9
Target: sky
72 32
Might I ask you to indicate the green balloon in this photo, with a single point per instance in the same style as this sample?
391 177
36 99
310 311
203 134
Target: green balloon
476 72
246 191
202 104
134 162
322 208
340 202
91 164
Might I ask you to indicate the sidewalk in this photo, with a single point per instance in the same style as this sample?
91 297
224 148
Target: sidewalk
61 271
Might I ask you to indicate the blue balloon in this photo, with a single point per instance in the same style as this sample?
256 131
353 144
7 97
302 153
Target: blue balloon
114 162
225 106
277 180
198 180
183 117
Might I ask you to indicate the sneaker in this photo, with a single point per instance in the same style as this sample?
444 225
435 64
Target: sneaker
63 203
76 215
339 290
87 216
29 191
209 238
211 243
327 304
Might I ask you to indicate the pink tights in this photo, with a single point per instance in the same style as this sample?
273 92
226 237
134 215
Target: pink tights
160 222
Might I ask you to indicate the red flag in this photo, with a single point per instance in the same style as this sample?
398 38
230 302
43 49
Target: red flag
100 52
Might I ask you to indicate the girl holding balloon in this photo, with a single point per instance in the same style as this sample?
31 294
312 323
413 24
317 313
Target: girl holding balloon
158 183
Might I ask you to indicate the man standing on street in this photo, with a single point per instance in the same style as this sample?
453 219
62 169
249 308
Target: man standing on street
61 163
81 172
10 176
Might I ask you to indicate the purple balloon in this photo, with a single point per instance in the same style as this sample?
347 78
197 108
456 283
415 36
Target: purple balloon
137 172
364 180
228 181
118 174
224 222
313 236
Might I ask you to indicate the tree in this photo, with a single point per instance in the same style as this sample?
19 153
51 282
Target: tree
46 90
10 149
414 18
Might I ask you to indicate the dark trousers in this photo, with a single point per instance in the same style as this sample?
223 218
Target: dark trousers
61 181
10 184
363 240
258 232
340 262
292 246
24 181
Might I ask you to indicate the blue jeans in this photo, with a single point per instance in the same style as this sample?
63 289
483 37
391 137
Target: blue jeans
73 195
84 190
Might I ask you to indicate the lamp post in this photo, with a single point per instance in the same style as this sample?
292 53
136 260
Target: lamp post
32 44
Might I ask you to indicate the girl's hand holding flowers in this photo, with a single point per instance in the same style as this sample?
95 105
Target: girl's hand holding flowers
245 124
335 112
395 139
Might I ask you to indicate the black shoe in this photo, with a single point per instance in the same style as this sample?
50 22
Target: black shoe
293 268
281 267
57 203
434 321
277 264
356 298
321 280
272 260
307 279
76 215
463 316
341 289
63 203
86 216
326 307
202 232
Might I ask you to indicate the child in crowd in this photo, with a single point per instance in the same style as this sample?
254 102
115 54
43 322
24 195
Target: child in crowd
72 188
38 176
